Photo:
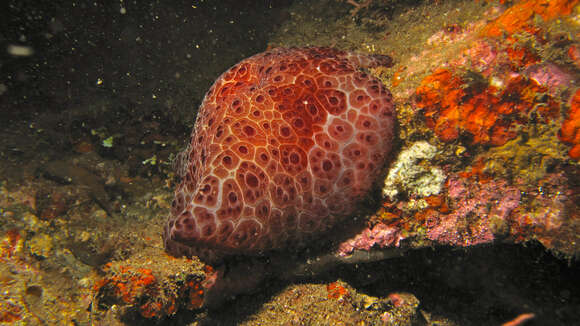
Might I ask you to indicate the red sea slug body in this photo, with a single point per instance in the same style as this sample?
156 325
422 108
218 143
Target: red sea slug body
285 143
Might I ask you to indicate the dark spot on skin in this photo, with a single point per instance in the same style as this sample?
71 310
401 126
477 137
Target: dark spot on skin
251 180
313 110
208 230
249 131
188 224
205 189
226 229
294 158
285 131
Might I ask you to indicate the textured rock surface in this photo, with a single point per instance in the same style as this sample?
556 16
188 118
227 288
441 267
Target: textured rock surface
285 143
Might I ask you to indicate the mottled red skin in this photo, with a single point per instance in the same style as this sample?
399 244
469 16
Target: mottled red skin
284 145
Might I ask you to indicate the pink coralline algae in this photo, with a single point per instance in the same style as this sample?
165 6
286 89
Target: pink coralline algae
490 204
379 236
551 76
476 209
553 216
285 143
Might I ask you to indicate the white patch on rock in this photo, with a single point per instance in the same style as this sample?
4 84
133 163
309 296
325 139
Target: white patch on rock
407 176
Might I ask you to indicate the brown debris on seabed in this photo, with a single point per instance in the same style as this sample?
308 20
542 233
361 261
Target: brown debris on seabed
87 138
